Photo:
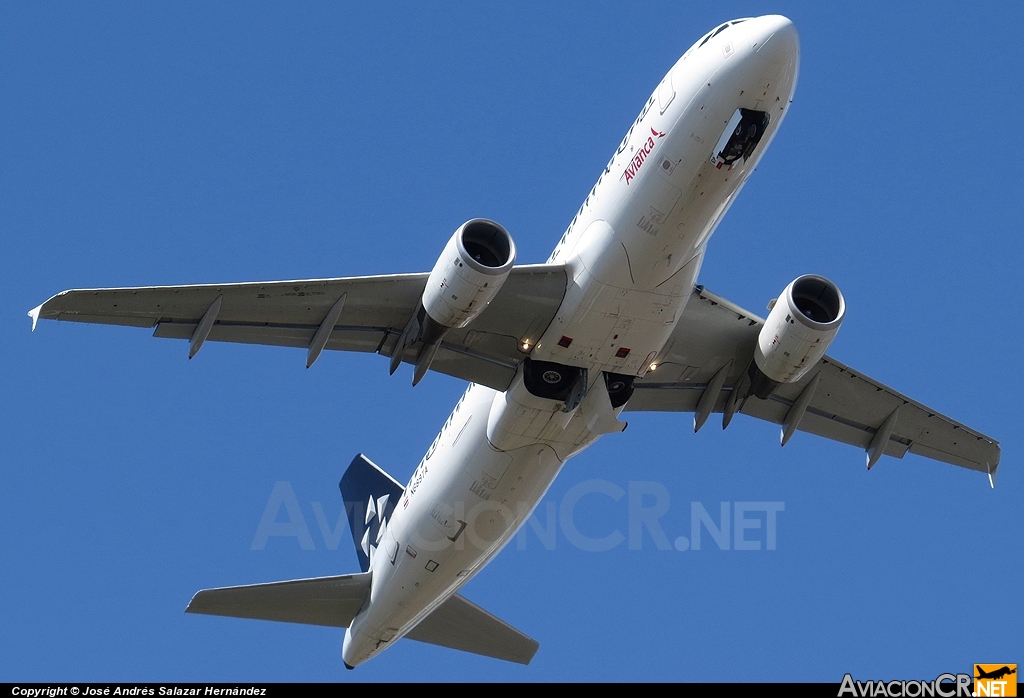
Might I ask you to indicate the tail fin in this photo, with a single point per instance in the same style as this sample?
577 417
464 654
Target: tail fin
370 496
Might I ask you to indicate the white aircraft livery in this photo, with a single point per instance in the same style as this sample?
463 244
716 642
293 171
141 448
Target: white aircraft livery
554 353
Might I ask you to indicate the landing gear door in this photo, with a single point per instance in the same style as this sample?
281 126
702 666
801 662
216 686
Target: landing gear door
740 137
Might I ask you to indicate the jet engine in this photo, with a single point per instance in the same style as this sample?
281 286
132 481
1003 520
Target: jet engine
466 278
801 325
474 265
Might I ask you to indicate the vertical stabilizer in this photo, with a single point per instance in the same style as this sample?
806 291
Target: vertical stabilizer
370 496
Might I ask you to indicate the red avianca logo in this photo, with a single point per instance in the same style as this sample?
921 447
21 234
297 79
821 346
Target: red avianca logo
641 156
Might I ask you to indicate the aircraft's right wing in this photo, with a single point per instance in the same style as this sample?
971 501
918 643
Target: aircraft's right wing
358 314
844 404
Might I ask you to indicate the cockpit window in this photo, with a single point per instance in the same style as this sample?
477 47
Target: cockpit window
713 34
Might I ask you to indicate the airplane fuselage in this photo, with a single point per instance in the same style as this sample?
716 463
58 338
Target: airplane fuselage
632 255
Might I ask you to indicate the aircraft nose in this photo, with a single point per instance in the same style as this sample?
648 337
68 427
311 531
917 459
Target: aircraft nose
776 40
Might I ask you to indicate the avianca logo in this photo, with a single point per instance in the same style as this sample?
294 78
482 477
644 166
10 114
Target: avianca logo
638 160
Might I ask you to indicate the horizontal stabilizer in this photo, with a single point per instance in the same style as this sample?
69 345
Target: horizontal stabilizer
332 601
462 625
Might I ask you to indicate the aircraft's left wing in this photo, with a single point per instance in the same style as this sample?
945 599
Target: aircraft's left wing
844 404
352 314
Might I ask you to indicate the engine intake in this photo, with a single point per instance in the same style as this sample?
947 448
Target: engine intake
799 329
466 278
470 272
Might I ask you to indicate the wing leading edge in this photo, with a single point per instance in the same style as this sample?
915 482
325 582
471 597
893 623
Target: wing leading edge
844 405
364 314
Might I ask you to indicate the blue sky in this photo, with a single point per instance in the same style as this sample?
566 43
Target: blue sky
198 143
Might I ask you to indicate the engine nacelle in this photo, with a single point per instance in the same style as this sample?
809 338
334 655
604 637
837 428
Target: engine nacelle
470 272
798 331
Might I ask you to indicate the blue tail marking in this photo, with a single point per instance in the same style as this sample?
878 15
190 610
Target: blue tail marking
370 496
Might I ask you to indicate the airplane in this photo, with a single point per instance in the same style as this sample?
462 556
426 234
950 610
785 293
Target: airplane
614 321
995 673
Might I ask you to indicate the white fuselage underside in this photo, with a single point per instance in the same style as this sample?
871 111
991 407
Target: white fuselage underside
632 254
